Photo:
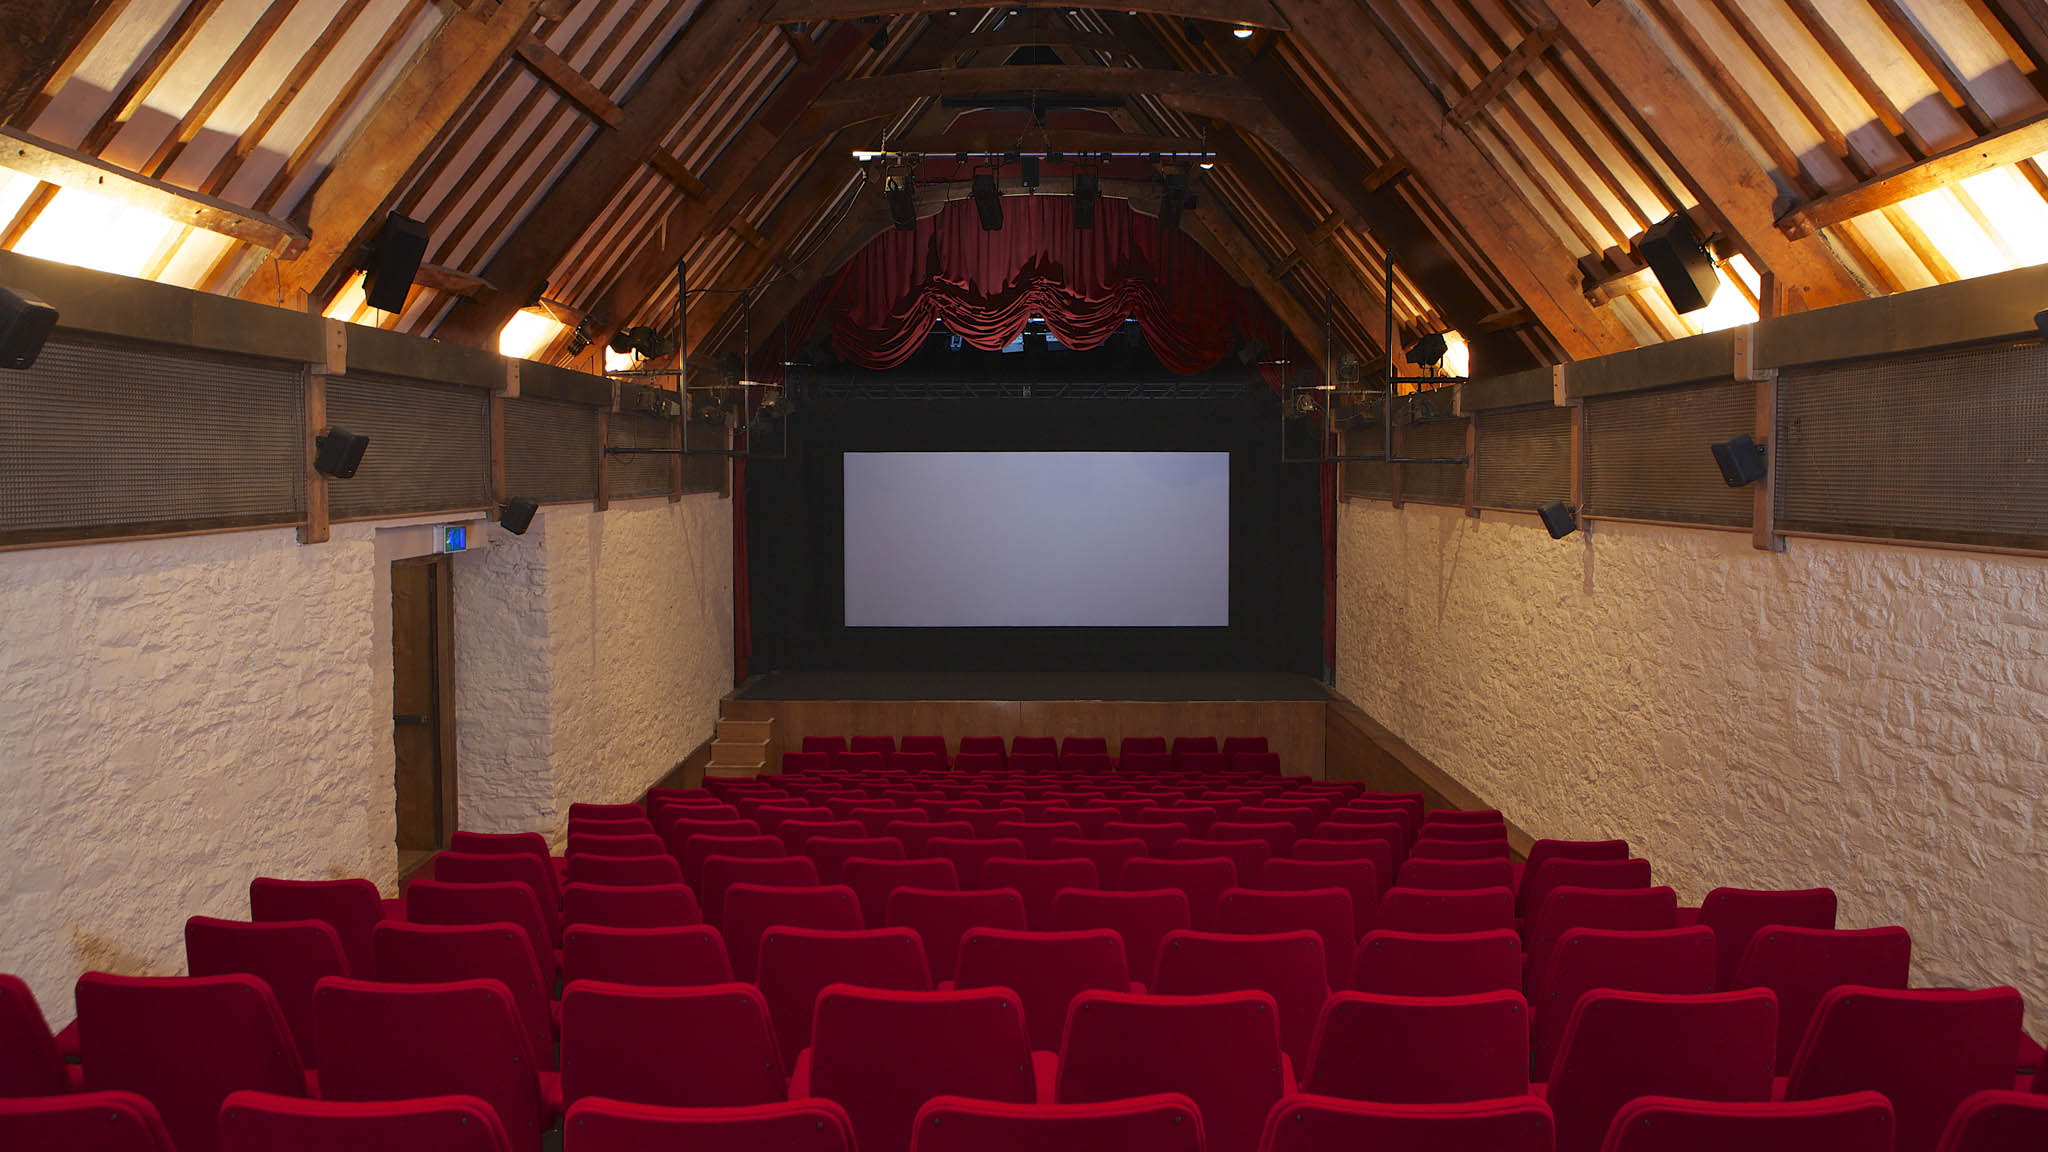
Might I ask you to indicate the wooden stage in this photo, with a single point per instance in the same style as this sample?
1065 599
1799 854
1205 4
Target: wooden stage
1287 710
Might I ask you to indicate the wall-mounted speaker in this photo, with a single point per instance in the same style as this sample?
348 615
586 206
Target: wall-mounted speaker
338 452
1684 267
516 515
1558 519
25 323
2041 322
1741 461
393 261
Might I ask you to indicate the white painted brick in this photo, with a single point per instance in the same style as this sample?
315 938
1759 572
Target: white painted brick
1863 717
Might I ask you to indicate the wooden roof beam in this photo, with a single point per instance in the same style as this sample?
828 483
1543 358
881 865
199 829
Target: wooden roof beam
349 202
2019 142
716 32
42 36
1251 13
63 167
1025 36
1212 226
1077 144
1518 62
550 66
1702 147
1204 93
1355 52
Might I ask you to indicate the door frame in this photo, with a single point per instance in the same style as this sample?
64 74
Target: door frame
441 578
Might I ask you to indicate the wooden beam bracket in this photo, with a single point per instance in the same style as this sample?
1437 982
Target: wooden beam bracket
1513 66
563 75
2019 142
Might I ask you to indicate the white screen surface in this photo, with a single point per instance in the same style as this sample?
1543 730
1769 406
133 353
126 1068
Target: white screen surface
1037 539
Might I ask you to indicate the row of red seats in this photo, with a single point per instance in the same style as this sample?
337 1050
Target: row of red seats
1035 748
197 1050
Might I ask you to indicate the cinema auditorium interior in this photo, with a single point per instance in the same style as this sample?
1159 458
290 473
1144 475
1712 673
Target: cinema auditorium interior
871 576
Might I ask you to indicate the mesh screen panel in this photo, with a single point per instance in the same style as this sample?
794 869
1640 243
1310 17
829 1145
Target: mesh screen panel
1367 478
1949 446
1525 457
1433 483
107 438
550 450
705 473
638 475
1649 455
429 447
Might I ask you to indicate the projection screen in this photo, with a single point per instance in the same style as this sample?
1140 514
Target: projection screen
1037 539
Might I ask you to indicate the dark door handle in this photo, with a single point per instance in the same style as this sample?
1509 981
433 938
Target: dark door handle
421 721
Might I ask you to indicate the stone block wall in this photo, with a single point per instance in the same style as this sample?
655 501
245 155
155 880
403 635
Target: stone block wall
1873 719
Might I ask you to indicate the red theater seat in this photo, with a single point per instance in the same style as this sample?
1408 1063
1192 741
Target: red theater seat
1413 1050
1857 1122
795 1126
645 956
260 1122
350 907
1621 1045
1324 911
29 1063
941 917
640 906
1997 1121
698 849
1738 914
289 956
1163 1122
1046 970
703 1047
830 853
799 963
439 953
1801 965
1322 1124
1203 880
85 1122
1221 1051
1142 919
1460 964
184 1044
753 909
1676 961
1038 881
723 873
1287 966
882 1054
1423 910
874 881
1537 883
625 871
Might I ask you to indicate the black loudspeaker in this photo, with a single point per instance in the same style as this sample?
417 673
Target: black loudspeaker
516 516
1684 267
338 452
2041 322
25 323
1741 461
988 201
393 261
1558 519
1087 187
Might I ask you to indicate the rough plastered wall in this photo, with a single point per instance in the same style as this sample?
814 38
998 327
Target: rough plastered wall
640 640
591 655
177 716
1868 718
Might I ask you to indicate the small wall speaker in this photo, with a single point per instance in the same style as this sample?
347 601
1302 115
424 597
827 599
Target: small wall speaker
1741 461
516 516
2041 322
25 323
1684 267
393 261
1558 519
338 452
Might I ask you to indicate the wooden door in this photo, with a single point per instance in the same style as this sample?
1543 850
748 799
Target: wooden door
422 701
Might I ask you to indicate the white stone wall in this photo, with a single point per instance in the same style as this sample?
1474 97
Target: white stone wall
591 655
640 610
176 717
1862 717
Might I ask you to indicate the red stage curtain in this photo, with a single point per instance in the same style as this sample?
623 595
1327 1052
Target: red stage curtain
985 286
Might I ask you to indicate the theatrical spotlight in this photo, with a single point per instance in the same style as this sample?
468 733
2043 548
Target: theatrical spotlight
1558 519
1428 351
579 337
516 515
25 323
988 201
1088 188
642 341
338 452
900 190
1741 461
1172 200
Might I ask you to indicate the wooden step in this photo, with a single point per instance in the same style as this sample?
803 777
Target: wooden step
731 772
761 730
739 753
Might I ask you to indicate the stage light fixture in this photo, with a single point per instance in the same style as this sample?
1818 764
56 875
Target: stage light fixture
1172 200
900 190
1558 519
988 201
1741 461
579 337
516 515
1428 351
641 341
25 323
1242 32
1087 189
338 452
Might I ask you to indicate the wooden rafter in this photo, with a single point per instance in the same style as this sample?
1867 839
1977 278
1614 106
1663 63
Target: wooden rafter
1703 148
1200 93
223 80
1070 142
435 86
714 35
1047 35
2019 142
1514 66
1355 52
62 167
568 81
1252 13
1219 233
